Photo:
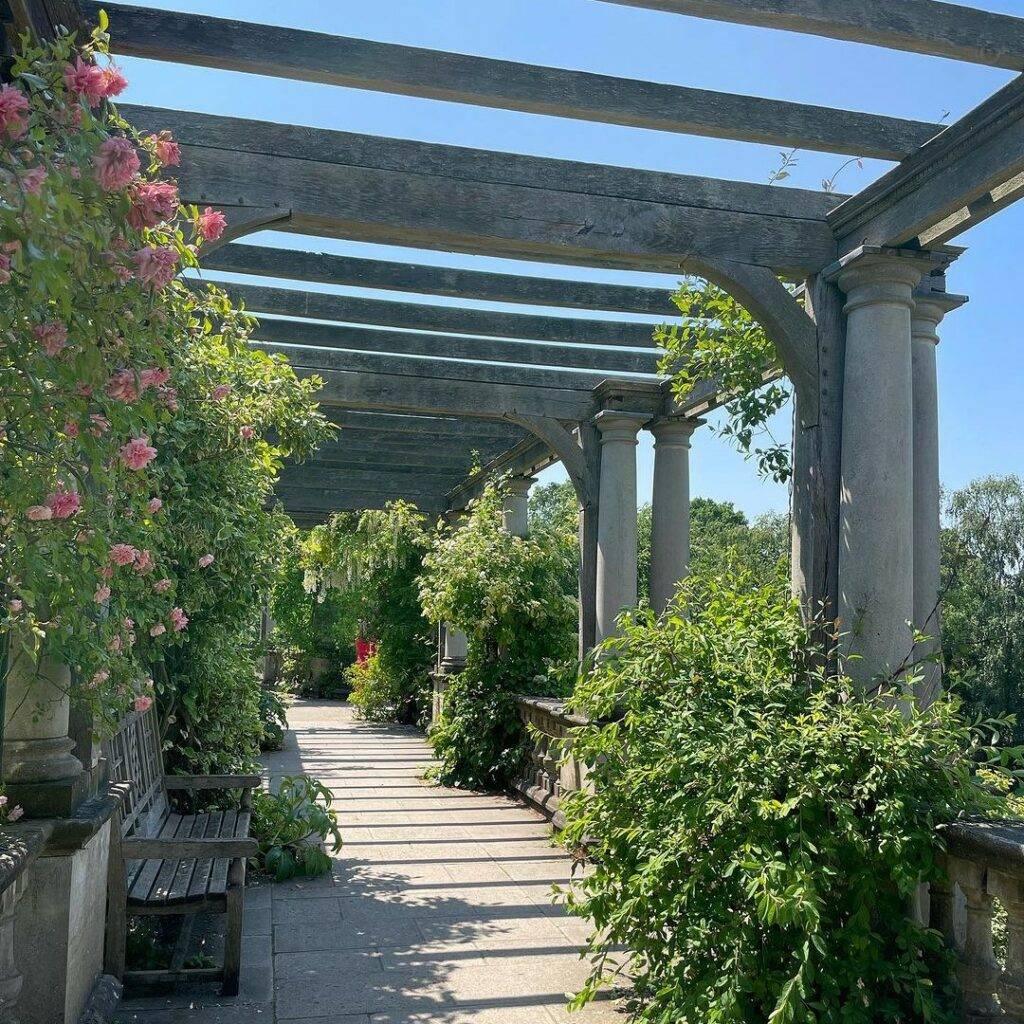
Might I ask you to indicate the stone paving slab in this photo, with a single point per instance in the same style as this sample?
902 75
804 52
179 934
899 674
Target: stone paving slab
437 910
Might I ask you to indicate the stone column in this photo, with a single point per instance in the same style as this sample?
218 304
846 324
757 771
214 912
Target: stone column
876 544
670 508
515 493
456 644
929 309
616 517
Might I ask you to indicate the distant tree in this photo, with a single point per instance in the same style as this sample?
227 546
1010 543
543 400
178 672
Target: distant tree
555 506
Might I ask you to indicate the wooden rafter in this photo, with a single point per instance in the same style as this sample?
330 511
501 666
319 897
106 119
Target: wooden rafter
412 71
917 26
500 204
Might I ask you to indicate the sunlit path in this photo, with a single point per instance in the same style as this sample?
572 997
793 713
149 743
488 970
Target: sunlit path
438 908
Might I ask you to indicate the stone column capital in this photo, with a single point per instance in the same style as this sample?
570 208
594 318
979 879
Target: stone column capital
930 307
517 484
878 276
619 426
674 430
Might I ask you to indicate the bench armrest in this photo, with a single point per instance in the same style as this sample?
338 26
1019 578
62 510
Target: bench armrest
196 782
186 849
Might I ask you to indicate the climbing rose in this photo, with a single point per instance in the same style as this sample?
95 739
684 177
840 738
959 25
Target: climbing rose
154 378
13 108
116 164
32 180
211 224
220 391
100 424
63 503
157 629
52 336
114 83
116 644
85 80
15 605
169 396
102 594
168 152
154 506
162 586
137 453
15 813
123 554
247 433
71 428
39 513
143 703
179 620
144 563
123 386
206 560
100 677
156 264
152 202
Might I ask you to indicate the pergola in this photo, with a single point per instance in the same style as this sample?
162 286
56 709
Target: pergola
427 393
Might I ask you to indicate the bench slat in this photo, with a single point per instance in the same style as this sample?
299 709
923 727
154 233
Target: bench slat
177 826
186 868
201 876
219 875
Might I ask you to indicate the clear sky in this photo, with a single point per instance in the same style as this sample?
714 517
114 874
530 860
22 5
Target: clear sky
981 372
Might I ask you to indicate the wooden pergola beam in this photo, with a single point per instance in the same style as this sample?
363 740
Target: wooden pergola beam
314 474
385 453
320 500
291 302
497 204
386 342
411 71
972 170
427 427
917 26
355 271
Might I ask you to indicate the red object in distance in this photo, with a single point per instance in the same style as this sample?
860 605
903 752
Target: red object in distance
365 649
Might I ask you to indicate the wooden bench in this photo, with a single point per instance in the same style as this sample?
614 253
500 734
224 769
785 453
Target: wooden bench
166 863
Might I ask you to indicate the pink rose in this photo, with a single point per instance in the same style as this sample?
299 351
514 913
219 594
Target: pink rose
100 424
116 163
144 563
162 586
156 265
154 506
71 429
220 391
5 268
102 594
179 620
64 503
154 378
128 623
39 513
100 677
114 83
83 390
211 224
122 386
143 703
15 605
123 554
157 629
13 111
107 572
116 644
32 180
152 203
247 433
206 560
137 453
85 80
168 152
52 336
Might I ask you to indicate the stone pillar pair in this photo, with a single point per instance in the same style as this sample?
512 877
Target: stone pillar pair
889 498
617 518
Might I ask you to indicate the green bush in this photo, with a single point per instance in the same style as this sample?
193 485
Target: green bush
757 830
292 824
378 694
273 719
509 596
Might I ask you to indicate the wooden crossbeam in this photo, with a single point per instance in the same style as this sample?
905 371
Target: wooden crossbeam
383 452
972 170
325 500
415 369
498 204
320 475
411 71
291 302
917 26
359 339
355 271
426 427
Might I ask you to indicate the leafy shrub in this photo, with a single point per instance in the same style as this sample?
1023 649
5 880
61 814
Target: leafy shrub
273 719
292 824
756 829
509 596
379 695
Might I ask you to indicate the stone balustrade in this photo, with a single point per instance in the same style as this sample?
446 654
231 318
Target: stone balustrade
20 845
548 774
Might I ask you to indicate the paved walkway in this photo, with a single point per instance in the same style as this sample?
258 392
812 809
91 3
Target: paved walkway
437 911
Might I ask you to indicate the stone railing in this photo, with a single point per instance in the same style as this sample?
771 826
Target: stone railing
549 775
985 865
20 845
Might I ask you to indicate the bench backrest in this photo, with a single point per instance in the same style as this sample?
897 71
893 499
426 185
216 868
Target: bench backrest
135 756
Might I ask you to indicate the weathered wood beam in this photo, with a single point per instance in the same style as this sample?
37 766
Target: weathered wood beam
326 500
416 479
450 346
382 392
355 271
498 204
459 78
427 426
384 453
972 170
917 26
527 458
417 369
447 319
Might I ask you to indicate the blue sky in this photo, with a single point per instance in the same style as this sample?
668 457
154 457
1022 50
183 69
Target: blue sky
981 372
